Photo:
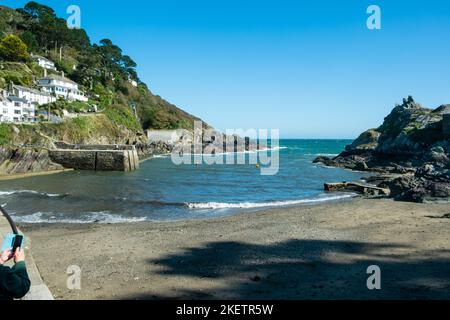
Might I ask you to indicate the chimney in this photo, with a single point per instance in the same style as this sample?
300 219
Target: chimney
62 74
11 87
45 72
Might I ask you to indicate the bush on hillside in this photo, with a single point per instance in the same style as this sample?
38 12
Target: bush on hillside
12 48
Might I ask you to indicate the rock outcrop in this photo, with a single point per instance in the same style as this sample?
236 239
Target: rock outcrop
25 160
412 142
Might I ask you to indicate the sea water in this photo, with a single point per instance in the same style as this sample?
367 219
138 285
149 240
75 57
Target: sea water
163 191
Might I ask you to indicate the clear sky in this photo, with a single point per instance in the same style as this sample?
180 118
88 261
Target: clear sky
309 68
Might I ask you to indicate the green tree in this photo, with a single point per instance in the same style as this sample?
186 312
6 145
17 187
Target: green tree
37 11
12 48
30 40
49 30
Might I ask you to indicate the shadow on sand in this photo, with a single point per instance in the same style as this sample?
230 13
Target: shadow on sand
305 269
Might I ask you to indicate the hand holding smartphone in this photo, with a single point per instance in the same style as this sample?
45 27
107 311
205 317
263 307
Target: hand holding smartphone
17 243
12 241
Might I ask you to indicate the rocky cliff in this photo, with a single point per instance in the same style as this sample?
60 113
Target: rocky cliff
25 160
25 148
410 151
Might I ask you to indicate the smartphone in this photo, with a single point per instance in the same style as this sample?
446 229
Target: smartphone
17 242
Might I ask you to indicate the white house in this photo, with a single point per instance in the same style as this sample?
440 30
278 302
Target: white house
6 110
45 63
132 82
62 87
22 110
15 109
32 95
169 136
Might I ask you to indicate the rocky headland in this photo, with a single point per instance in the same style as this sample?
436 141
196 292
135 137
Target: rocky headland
409 153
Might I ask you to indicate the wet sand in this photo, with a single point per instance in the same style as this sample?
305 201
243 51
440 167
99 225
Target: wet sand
6 177
308 252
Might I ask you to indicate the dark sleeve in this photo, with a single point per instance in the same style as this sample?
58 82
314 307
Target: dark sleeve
15 281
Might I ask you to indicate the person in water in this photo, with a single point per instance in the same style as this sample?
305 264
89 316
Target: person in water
14 282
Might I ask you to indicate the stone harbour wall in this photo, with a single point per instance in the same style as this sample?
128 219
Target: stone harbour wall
100 159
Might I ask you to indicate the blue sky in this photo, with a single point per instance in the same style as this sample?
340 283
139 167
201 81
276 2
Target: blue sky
309 68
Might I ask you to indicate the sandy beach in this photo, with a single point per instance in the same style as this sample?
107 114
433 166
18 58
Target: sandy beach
8 177
308 252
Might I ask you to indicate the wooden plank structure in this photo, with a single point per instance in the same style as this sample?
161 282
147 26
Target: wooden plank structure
356 186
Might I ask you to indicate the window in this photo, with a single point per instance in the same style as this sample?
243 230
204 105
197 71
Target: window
17 112
5 111
16 104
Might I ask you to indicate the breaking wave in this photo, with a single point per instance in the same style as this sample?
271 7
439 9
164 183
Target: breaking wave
88 217
250 205
31 192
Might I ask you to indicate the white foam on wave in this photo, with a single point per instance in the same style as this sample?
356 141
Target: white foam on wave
250 205
106 217
103 217
12 192
328 154
322 154
238 152
159 156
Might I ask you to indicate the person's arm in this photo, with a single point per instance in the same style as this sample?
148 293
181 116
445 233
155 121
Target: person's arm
15 282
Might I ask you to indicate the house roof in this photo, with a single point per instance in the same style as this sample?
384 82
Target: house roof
31 90
59 78
17 99
43 58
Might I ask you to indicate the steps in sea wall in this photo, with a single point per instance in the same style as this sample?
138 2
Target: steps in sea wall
96 157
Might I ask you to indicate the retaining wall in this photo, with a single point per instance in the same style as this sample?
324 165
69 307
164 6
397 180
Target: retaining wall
97 158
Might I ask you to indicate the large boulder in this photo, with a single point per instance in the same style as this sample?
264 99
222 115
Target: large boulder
366 141
411 143
25 160
438 157
401 185
410 129
429 172
427 191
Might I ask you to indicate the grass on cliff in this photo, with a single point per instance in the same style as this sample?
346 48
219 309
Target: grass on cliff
16 72
113 127
5 134
110 126
122 116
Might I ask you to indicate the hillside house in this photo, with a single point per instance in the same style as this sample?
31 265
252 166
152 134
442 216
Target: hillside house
24 111
132 81
61 87
15 109
45 63
6 109
169 136
32 95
